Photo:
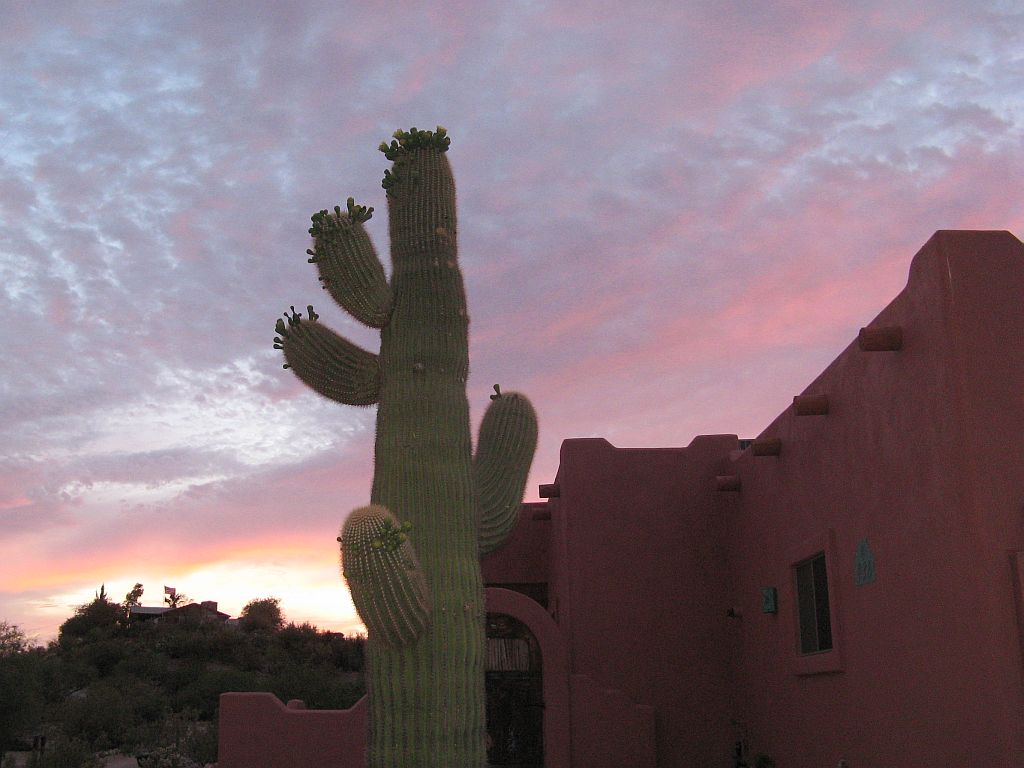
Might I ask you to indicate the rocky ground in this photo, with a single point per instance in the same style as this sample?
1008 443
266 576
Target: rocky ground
20 760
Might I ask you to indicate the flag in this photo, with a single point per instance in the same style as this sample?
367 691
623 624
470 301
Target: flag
170 591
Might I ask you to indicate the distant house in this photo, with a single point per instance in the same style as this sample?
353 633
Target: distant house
194 613
152 613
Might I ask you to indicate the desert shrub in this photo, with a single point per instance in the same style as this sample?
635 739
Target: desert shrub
21 697
322 687
165 757
225 645
184 641
198 742
262 615
97 619
104 654
202 693
182 742
65 752
143 662
113 713
346 653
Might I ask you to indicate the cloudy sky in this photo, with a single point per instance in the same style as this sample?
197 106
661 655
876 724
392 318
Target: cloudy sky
673 215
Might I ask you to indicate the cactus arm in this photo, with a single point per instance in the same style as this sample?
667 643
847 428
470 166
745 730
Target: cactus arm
384 577
326 362
348 264
505 448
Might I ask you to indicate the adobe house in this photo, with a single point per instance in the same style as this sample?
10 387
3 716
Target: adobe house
191 613
843 589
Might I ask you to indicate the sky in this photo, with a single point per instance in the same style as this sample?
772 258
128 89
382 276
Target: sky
672 216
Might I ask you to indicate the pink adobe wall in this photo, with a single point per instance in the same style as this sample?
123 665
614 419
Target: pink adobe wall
257 731
640 588
525 557
609 730
585 723
920 453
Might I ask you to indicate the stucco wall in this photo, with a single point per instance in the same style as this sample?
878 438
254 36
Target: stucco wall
920 454
257 731
642 588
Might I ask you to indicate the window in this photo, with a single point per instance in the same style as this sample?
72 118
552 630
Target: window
812 604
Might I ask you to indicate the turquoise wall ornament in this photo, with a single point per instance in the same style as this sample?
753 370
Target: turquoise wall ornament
769 600
864 570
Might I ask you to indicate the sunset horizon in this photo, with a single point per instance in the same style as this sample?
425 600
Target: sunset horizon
670 221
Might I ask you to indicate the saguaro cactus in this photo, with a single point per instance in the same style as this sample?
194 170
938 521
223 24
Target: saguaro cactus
411 558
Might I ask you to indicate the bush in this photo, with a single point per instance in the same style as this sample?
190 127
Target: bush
113 713
12 640
202 693
319 687
21 697
262 615
100 618
64 752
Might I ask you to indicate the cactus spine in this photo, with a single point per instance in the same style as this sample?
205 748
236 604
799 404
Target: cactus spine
411 558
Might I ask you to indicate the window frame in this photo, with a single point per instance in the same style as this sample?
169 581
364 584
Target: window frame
828 660
812 631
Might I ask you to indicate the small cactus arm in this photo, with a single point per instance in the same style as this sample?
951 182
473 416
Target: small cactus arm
411 558
504 452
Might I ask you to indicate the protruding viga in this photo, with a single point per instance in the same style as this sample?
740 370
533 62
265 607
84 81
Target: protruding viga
411 558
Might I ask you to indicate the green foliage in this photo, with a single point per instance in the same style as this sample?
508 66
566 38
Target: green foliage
263 615
12 639
112 710
130 599
21 696
95 619
66 752
155 688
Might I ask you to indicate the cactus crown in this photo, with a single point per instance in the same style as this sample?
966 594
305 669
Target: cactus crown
325 223
406 141
404 144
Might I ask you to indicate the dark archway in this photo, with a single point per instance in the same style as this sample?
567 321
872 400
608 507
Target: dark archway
515 695
554 663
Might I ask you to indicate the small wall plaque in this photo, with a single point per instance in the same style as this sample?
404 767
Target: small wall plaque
769 600
864 572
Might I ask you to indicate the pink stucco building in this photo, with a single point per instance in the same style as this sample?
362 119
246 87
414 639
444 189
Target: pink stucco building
845 587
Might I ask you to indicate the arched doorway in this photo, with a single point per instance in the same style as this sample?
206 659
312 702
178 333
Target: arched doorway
554 662
515 694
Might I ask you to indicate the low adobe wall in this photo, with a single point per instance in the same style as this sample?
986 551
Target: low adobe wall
257 730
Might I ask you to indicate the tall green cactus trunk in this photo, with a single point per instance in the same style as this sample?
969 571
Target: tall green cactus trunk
416 584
